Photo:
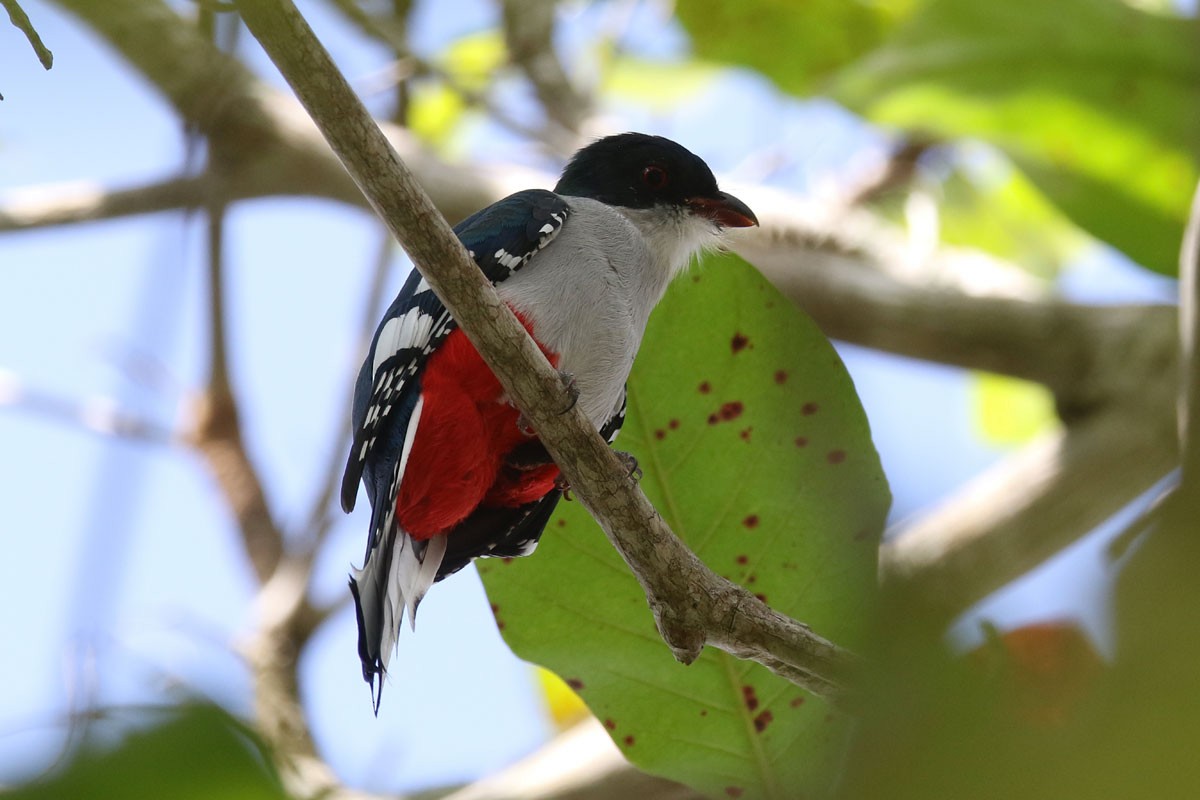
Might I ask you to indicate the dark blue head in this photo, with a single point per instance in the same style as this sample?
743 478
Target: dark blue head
634 170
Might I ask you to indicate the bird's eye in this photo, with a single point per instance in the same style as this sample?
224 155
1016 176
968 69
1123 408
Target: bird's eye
655 177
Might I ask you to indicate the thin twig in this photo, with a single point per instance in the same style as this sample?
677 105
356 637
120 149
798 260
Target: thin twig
529 34
71 203
20 20
393 35
94 414
896 173
217 434
692 606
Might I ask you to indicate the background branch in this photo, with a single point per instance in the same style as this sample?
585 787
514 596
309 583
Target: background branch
529 34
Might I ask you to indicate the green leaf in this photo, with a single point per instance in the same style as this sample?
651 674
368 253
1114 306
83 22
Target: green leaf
662 86
200 753
794 44
1008 411
758 454
474 59
435 110
1097 102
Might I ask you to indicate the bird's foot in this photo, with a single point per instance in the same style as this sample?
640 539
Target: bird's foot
631 464
568 381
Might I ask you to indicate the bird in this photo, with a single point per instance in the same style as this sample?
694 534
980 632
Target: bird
451 470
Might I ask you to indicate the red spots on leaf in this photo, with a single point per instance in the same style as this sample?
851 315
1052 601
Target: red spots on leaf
751 521
801 441
743 559
704 388
575 684
608 723
673 424
727 412
762 598
628 740
745 434
781 376
562 523
836 456
660 434
809 408
506 560
733 791
763 720
739 342
751 578
749 697
796 702
704 712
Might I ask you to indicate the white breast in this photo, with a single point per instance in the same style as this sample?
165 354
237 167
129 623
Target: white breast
585 300
591 291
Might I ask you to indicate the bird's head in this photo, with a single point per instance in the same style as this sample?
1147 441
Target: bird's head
638 171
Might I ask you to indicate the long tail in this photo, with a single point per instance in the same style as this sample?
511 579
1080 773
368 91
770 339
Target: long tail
398 573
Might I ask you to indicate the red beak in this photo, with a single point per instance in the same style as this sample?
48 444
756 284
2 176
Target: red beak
723 209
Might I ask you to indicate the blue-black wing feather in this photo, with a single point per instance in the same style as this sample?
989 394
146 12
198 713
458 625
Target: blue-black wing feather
501 239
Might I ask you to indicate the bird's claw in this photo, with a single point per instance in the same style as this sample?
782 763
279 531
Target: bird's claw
631 464
572 388
568 381
524 427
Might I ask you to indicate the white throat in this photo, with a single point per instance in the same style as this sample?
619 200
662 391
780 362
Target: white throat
673 236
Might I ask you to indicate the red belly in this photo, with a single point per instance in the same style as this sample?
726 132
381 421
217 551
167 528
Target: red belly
465 431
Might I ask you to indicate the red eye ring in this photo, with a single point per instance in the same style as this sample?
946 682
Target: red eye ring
655 177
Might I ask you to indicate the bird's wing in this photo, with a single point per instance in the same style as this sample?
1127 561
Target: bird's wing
501 239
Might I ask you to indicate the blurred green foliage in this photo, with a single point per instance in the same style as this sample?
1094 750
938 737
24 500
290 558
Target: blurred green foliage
1096 101
796 45
198 753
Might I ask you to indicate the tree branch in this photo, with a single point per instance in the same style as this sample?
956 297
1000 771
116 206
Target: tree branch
95 414
529 34
20 20
692 606
65 204
1028 508
217 434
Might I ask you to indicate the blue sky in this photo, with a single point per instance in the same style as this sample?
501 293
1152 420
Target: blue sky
120 569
